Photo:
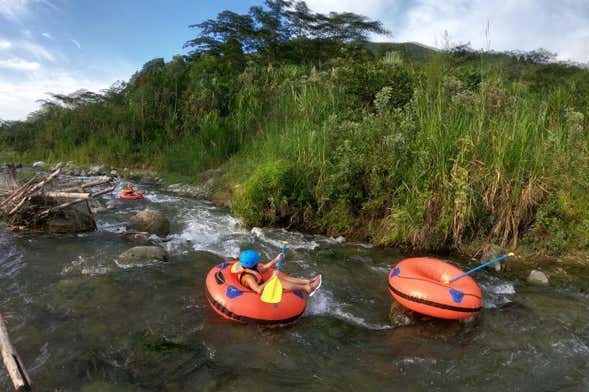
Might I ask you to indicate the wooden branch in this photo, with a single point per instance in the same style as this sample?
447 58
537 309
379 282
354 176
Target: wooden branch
61 206
16 370
18 206
71 203
17 192
68 195
86 185
102 192
35 189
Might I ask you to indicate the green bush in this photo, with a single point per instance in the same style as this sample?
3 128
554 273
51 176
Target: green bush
277 192
363 80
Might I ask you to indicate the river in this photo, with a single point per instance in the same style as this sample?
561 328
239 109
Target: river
81 322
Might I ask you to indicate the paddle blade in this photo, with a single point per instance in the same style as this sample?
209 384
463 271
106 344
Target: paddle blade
272 292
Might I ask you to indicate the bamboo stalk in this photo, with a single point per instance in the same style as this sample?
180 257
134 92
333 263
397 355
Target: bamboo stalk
86 185
34 189
12 362
17 192
71 203
68 195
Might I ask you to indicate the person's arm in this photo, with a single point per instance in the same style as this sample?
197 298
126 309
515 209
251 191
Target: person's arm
270 264
253 285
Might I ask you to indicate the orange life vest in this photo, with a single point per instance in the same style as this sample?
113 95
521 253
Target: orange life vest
245 272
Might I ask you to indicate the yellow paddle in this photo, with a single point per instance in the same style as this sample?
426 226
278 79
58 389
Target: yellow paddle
272 292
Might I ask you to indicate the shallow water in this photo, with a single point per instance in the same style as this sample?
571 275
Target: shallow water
80 322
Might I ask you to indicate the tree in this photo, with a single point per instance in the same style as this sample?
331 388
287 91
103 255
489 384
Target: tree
279 29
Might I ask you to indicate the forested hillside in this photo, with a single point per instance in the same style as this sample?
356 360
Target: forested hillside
315 128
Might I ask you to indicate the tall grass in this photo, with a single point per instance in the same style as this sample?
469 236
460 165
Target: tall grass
454 165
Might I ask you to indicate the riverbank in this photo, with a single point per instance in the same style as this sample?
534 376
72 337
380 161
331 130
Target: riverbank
216 186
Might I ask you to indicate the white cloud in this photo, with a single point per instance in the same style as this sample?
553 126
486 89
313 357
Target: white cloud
47 35
39 52
76 43
15 10
18 64
5 44
19 96
364 7
559 26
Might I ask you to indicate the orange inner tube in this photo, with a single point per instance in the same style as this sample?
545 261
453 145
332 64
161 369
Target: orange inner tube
233 301
421 284
131 195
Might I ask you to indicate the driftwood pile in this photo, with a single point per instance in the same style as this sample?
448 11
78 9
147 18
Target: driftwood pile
42 200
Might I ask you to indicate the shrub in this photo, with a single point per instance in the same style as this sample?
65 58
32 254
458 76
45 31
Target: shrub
277 192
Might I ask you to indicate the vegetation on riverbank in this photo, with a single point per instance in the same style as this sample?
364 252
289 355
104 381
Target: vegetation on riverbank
394 143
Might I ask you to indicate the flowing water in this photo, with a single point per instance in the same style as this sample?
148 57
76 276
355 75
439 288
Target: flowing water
82 322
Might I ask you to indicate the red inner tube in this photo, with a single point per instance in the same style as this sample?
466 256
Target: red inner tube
131 195
232 301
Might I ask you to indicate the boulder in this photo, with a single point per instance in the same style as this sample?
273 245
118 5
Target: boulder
151 221
143 253
71 169
40 165
538 278
114 173
98 170
197 192
77 218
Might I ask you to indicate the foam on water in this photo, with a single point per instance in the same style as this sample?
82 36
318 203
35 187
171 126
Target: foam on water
160 198
571 345
323 303
496 292
274 238
85 266
207 230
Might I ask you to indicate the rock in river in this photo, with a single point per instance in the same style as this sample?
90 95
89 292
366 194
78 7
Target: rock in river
143 253
538 278
151 221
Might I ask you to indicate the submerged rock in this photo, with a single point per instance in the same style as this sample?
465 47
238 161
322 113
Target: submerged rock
143 253
150 221
198 192
400 316
538 278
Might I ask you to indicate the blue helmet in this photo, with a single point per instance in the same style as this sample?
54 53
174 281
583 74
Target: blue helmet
249 258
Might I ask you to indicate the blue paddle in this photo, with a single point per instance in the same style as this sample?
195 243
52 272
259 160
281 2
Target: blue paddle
488 263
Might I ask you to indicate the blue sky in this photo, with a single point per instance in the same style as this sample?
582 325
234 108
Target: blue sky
64 45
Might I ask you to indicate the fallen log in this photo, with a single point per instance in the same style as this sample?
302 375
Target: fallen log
71 203
18 192
34 189
86 185
68 195
12 362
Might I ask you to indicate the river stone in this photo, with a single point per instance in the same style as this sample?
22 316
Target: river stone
143 253
71 169
538 278
203 191
98 170
151 221
39 165
400 316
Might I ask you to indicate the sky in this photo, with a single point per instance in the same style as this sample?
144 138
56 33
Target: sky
60 46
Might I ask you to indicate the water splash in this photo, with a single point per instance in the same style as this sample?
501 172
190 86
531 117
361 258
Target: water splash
324 303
